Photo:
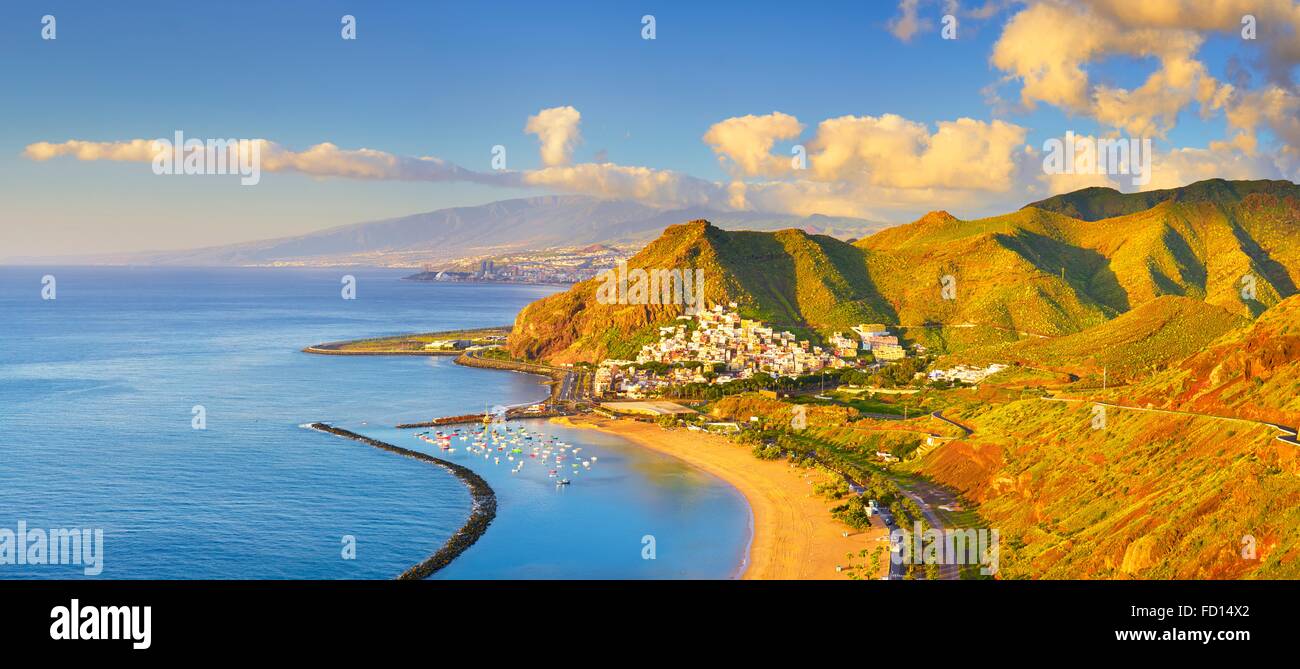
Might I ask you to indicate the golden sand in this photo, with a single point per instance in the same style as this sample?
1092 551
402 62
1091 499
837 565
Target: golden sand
795 536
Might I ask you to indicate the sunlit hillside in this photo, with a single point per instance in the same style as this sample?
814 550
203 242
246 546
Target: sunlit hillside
1252 371
1133 345
1032 272
1149 495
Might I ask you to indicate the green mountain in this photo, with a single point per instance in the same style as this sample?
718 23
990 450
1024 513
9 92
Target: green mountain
1036 271
787 278
1096 203
1149 338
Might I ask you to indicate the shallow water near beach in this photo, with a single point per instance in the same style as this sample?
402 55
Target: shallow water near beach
98 388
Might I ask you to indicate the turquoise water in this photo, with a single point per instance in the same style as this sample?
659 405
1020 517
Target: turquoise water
96 396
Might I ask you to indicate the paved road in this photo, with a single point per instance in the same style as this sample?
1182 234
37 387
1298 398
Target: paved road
571 390
965 430
927 496
1288 435
896 569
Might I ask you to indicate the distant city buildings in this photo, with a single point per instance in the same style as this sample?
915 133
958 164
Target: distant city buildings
553 266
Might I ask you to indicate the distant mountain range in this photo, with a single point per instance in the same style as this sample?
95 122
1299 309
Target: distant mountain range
1034 271
534 223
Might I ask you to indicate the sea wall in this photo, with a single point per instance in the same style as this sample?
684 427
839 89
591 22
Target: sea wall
555 374
331 349
484 499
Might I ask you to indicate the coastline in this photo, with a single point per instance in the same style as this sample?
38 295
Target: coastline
483 511
794 536
792 533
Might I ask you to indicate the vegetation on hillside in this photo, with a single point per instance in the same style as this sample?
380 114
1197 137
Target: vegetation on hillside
1142 341
1037 271
1149 496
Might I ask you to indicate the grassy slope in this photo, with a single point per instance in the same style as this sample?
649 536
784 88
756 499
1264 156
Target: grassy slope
1165 330
1151 496
1251 372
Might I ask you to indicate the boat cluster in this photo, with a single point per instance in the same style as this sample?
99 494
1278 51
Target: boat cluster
518 446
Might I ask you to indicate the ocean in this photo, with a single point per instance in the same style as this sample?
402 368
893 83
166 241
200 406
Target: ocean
99 390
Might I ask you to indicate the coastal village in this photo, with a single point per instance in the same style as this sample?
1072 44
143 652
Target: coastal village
718 346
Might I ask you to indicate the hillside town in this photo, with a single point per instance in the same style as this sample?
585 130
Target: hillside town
718 346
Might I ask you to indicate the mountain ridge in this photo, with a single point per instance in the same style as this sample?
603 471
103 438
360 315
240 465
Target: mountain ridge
520 224
1031 271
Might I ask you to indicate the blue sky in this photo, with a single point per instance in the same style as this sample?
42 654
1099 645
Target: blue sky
453 79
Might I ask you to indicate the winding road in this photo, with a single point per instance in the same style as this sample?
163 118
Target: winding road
1287 435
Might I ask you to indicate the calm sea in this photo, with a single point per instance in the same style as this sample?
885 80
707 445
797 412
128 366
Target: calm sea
97 395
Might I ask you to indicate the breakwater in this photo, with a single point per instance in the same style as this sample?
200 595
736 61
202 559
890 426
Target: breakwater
512 414
482 495
402 344
332 349
556 375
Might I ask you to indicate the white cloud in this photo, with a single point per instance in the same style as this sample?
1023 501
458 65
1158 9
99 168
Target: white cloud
908 23
321 160
557 130
659 188
136 150
747 141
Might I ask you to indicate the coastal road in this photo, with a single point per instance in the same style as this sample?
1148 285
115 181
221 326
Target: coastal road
896 568
1286 434
570 388
567 387
927 496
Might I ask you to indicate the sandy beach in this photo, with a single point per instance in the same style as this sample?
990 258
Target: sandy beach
795 536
